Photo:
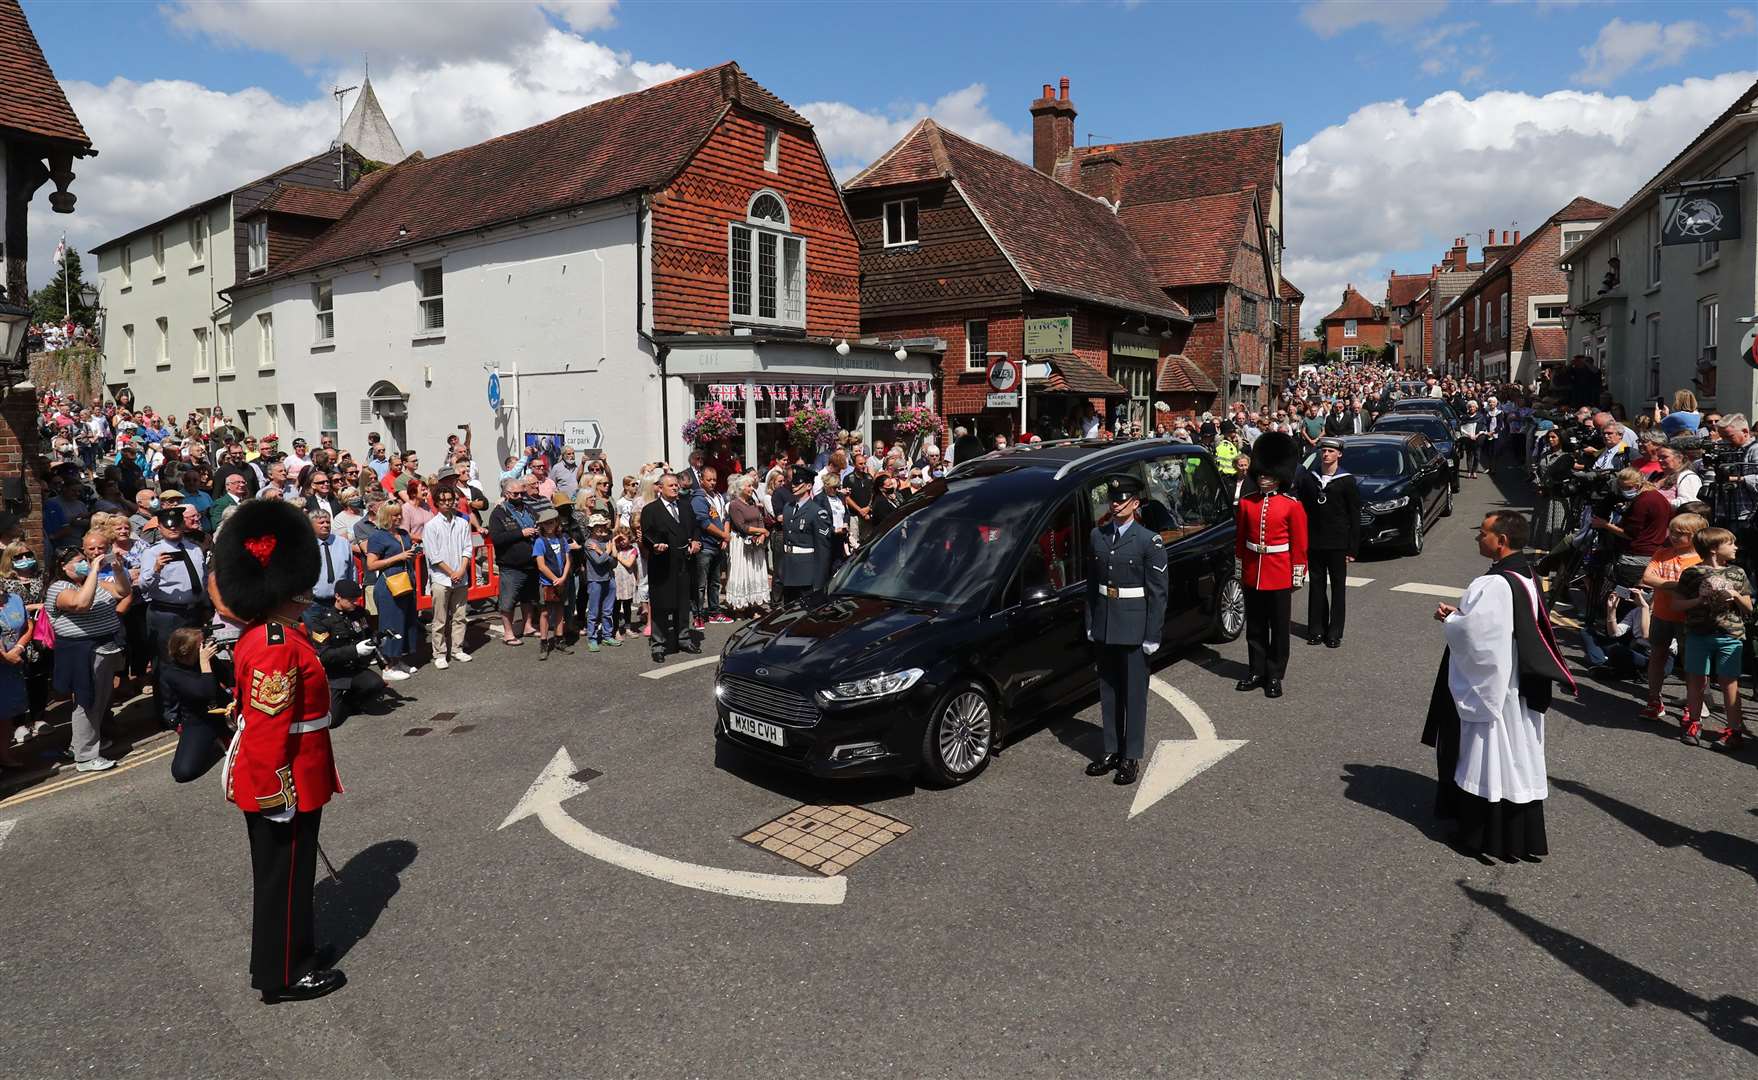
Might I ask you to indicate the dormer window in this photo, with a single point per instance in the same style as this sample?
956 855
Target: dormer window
901 222
258 251
766 265
771 150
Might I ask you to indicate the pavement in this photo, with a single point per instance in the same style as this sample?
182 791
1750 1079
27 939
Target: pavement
1287 910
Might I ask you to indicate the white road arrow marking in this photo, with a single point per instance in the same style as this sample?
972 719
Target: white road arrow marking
1177 761
555 784
673 669
1449 591
6 828
1358 582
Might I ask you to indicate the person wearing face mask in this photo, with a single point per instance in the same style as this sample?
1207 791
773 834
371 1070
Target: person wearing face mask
22 576
1641 529
1270 543
86 608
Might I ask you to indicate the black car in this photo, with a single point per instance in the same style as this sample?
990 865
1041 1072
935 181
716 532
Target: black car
1403 484
1435 428
1431 406
963 617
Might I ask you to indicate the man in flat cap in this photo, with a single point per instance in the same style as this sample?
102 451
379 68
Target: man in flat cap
1125 610
1333 538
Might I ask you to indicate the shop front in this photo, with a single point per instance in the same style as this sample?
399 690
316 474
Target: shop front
1064 393
1133 359
762 383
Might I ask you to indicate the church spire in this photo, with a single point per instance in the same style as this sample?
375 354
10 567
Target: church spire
368 130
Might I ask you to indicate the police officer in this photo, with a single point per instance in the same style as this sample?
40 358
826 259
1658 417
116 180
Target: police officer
173 582
807 539
1333 536
343 638
1126 607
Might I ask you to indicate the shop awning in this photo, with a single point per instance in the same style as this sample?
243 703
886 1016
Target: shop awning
1179 374
1069 374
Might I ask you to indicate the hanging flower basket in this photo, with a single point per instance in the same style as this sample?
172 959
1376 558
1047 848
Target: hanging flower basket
910 421
812 430
714 423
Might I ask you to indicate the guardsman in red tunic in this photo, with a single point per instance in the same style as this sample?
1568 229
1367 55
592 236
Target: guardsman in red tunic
1270 540
279 769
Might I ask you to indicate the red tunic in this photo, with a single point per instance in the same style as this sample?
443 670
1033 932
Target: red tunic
1270 540
281 754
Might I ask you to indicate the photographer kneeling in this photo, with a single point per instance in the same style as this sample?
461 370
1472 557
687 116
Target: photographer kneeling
343 639
1641 528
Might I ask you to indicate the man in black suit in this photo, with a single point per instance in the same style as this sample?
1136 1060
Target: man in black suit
1333 521
669 534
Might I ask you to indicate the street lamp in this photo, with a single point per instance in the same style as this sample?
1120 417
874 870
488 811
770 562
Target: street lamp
15 326
88 295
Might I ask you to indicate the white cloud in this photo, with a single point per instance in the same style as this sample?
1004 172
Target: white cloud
1328 18
1744 21
314 31
1626 46
1398 178
853 137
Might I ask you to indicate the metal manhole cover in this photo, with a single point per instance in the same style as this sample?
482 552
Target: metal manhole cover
828 839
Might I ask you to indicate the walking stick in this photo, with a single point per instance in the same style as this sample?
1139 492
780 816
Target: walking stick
328 865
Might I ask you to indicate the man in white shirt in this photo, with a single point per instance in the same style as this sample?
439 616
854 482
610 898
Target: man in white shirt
445 545
298 459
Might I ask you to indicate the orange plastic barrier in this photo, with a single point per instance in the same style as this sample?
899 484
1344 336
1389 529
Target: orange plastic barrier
485 577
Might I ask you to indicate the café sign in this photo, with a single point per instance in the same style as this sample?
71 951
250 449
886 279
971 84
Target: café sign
1054 334
1135 346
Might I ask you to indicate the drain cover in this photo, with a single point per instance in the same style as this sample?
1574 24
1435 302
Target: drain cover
828 839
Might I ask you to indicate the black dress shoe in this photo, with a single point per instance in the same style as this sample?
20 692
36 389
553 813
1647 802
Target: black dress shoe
659 656
313 984
1334 643
1315 639
1103 765
1126 770
690 646
1273 688
1250 682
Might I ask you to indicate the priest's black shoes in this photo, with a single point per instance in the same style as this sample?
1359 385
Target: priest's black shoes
313 984
1125 772
1250 682
1315 639
1103 765
1333 643
1272 688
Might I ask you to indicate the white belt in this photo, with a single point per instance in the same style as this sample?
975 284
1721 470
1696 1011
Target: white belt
791 550
1123 592
1266 549
304 727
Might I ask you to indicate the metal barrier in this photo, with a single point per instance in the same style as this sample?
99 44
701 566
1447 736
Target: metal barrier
485 577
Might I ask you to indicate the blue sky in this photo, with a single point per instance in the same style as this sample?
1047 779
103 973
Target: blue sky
1406 124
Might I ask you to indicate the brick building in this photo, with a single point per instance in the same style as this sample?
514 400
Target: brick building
962 244
1521 288
1355 322
1403 294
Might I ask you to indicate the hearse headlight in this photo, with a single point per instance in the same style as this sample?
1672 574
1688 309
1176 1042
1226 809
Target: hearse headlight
1389 505
873 686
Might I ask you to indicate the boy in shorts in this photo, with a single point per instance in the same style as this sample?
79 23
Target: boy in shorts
1716 599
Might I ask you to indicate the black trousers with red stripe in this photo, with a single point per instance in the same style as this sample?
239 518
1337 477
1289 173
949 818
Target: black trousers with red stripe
283 864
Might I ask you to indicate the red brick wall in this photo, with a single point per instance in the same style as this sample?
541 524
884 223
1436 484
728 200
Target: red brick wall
21 448
1536 273
955 267
1485 338
690 289
1368 332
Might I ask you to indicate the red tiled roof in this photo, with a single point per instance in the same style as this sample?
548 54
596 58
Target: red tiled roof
1580 208
311 202
1180 374
1061 241
1355 306
1071 374
636 142
31 99
1189 166
1190 241
1289 291
1403 289
1547 343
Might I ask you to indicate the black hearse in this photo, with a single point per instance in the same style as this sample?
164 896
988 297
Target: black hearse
963 618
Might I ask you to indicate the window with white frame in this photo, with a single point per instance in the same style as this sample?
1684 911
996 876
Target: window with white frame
162 358
1708 331
1654 356
1654 246
1351 328
430 286
767 265
127 265
976 345
128 347
1708 251
323 299
326 417
199 353
1350 352
257 245
1572 235
1547 313
1476 311
198 240
223 361
902 222
1507 321
265 340
158 255
771 150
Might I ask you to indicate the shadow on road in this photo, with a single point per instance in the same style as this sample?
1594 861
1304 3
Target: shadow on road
1729 850
806 789
1731 1019
1405 795
347 910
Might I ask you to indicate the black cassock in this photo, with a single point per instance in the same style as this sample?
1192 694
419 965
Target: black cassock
1504 829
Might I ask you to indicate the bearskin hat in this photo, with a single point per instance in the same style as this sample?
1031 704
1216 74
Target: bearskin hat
264 556
1274 454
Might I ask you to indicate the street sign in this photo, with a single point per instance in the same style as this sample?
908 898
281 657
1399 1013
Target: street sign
1003 375
1749 346
583 435
494 390
1050 335
1003 401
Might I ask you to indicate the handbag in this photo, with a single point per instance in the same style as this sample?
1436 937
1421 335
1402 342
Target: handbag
400 583
43 633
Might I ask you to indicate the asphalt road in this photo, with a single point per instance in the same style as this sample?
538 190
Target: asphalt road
1288 912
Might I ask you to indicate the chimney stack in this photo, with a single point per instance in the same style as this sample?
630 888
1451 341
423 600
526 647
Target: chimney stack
1101 176
1458 256
1052 128
1516 236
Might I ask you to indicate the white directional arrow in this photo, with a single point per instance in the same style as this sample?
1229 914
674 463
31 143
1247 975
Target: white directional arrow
555 784
6 828
1177 761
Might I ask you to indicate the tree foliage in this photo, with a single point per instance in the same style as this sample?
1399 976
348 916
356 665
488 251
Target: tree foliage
52 302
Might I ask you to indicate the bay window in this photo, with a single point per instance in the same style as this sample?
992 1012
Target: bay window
766 265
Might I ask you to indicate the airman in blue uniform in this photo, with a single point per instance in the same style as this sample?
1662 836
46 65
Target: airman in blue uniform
1125 610
806 539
